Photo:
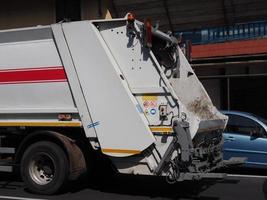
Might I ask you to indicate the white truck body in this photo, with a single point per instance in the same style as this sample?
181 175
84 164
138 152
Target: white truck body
125 98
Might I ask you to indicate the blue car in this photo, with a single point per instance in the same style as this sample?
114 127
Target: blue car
246 136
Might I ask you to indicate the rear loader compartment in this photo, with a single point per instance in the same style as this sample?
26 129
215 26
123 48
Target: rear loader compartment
120 86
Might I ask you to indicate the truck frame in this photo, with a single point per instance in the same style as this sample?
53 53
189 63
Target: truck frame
117 87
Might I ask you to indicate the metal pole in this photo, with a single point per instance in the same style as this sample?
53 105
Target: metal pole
228 93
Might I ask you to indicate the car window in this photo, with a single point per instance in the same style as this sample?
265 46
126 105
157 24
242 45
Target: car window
263 120
242 125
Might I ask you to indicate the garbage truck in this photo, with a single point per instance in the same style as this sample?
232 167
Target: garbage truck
118 87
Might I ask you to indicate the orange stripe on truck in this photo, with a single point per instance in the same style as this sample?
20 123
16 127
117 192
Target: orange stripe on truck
161 129
41 124
121 151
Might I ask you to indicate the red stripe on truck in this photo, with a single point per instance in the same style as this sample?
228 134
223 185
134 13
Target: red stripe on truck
33 75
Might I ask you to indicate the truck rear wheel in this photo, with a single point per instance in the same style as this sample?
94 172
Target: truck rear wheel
44 168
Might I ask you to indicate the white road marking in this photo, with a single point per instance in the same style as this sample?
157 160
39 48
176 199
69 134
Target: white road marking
246 176
18 198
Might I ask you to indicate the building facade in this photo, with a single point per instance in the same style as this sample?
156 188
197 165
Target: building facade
16 13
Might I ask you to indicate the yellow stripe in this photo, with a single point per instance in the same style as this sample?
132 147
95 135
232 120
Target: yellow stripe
149 98
50 124
122 151
161 129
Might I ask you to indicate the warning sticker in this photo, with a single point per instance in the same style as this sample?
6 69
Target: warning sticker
153 111
149 98
146 104
153 104
150 104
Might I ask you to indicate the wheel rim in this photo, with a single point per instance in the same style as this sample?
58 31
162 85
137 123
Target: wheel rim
42 169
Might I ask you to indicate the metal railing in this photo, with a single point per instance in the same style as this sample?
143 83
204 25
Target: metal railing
226 33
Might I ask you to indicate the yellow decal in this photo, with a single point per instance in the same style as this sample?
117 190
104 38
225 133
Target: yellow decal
44 124
122 151
161 129
149 98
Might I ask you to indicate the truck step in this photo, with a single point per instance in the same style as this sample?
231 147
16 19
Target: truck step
6 166
7 150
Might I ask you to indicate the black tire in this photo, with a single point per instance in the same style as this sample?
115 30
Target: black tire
44 168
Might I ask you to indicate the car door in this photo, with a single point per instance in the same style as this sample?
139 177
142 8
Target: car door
245 137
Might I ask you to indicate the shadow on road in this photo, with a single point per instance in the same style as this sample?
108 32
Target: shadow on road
146 186
244 171
10 181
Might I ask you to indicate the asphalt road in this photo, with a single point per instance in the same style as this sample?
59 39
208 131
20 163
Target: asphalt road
140 187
